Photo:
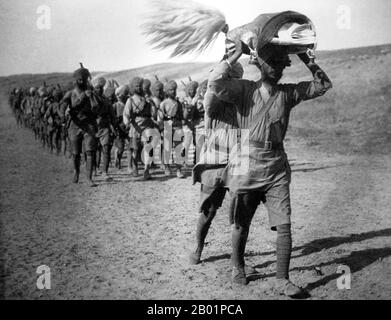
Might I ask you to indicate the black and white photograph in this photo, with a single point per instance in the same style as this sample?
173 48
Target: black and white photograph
195 150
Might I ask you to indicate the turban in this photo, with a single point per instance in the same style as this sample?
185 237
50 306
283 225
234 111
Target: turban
146 83
135 82
99 82
157 87
122 91
170 85
81 74
57 93
42 91
192 86
109 92
50 90
32 90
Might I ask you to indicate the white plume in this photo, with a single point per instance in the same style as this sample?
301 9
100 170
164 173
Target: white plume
185 26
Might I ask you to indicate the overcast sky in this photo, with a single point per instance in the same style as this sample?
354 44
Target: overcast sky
105 35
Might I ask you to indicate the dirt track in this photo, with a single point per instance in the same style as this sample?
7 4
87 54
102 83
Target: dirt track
130 239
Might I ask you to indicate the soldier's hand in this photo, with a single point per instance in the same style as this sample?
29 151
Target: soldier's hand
149 100
88 93
307 57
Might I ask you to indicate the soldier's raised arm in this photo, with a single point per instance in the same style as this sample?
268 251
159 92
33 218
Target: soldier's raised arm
307 90
220 84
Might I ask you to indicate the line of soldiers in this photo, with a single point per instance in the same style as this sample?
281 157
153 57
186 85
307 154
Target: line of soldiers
90 117
40 110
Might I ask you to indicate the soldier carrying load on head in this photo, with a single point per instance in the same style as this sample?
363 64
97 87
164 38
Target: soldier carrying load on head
259 172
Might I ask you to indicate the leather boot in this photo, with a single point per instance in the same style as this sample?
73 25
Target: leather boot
287 288
195 257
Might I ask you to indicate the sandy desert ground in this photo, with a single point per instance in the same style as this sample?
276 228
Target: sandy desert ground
130 239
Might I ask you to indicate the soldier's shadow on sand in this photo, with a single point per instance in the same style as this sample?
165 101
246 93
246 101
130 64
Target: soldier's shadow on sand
327 243
357 260
314 246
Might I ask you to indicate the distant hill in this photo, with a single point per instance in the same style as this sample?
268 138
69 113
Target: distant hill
354 117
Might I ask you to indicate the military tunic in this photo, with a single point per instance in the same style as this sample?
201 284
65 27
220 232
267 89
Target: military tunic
105 119
265 127
83 126
233 103
138 116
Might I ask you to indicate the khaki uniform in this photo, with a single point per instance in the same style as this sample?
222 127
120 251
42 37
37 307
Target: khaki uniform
119 142
105 121
138 116
172 113
83 126
55 117
263 165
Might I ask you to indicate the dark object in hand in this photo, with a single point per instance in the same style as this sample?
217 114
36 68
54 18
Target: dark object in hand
307 57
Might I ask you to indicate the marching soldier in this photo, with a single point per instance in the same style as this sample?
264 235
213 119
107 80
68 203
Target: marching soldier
106 124
65 124
263 108
27 109
213 193
83 126
171 110
38 109
190 114
157 91
147 88
138 116
16 100
55 117
47 128
122 135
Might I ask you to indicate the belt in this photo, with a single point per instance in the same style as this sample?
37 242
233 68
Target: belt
267 145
